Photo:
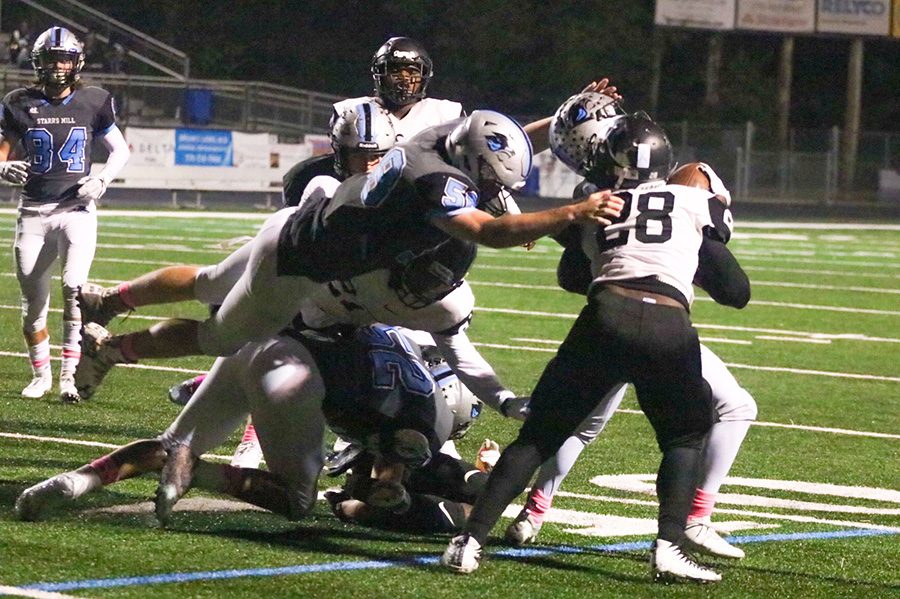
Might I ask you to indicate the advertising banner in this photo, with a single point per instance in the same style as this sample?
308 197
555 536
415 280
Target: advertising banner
701 14
896 27
203 147
859 17
785 16
251 150
151 147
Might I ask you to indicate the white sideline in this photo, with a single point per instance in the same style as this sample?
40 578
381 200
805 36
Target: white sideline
20 592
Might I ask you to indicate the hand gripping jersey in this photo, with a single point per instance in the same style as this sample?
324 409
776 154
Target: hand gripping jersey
425 113
375 219
658 235
57 136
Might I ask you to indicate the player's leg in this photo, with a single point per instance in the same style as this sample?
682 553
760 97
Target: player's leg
561 400
76 243
217 408
665 367
735 410
526 526
34 256
256 308
284 392
171 284
131 460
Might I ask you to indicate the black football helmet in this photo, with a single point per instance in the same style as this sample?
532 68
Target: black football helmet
634 151
421 280
395 54
54 45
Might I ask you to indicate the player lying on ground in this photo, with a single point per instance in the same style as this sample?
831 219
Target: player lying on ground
635 328
291 385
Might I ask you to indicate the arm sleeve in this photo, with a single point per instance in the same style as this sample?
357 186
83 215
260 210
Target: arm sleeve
119 153
720 275
472 369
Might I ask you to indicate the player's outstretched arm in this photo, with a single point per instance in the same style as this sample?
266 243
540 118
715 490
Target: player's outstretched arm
511 230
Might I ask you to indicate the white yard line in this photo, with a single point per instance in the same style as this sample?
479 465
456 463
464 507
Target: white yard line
33 593
59 311
12 354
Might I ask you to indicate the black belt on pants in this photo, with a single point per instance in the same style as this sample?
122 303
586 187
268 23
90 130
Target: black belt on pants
645 296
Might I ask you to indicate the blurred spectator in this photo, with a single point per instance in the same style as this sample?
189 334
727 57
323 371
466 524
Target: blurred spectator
116 60
93 53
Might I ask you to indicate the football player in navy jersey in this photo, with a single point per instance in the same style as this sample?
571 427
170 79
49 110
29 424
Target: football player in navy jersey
423 193
55 122
371 385
635 328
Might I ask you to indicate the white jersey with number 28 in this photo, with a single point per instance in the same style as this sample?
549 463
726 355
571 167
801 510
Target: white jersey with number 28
657 234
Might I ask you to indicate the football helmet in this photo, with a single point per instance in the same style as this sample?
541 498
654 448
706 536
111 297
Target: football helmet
365 128
580 121
422 279
635 150
394 55
461 401
55 45
491 147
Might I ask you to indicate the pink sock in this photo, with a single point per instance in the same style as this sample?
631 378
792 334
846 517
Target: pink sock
107 469
249 434
702 508
125 295
537 505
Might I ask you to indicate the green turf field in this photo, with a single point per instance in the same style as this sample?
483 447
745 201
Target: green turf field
815 496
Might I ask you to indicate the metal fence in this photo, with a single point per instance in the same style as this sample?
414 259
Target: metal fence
251 106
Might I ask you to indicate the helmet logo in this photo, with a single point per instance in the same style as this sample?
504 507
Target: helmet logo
405 55
496 142
578 114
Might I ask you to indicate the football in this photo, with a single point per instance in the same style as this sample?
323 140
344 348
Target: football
690 175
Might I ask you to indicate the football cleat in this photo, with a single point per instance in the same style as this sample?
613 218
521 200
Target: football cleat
182 393
523 530
247 455
39 386
703 538
668 563
35 500
462 555
67 391
99 353
174 480
94 303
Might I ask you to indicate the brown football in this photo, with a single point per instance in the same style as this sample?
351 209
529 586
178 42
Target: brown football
690 175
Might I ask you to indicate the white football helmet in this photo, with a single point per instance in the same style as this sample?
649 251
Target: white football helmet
461 401
365 128
579 123
57 44
489 146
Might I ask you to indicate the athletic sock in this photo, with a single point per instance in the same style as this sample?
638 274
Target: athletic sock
702 506
39 354
71 347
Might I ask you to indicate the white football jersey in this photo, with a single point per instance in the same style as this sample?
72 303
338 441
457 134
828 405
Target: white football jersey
425 113
657 234
368 299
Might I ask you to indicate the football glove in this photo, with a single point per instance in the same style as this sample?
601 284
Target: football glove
516 407
14 171
91 188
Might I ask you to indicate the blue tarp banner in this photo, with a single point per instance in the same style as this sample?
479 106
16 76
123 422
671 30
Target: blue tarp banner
203 147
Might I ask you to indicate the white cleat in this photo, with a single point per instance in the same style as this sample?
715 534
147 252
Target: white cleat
98 355
67 391
35 500
39 386
94 305
703 538
668 563
247 455
462 555
523 529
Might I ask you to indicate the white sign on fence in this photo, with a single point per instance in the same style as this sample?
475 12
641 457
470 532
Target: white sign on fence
702 14
789 16
860 17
